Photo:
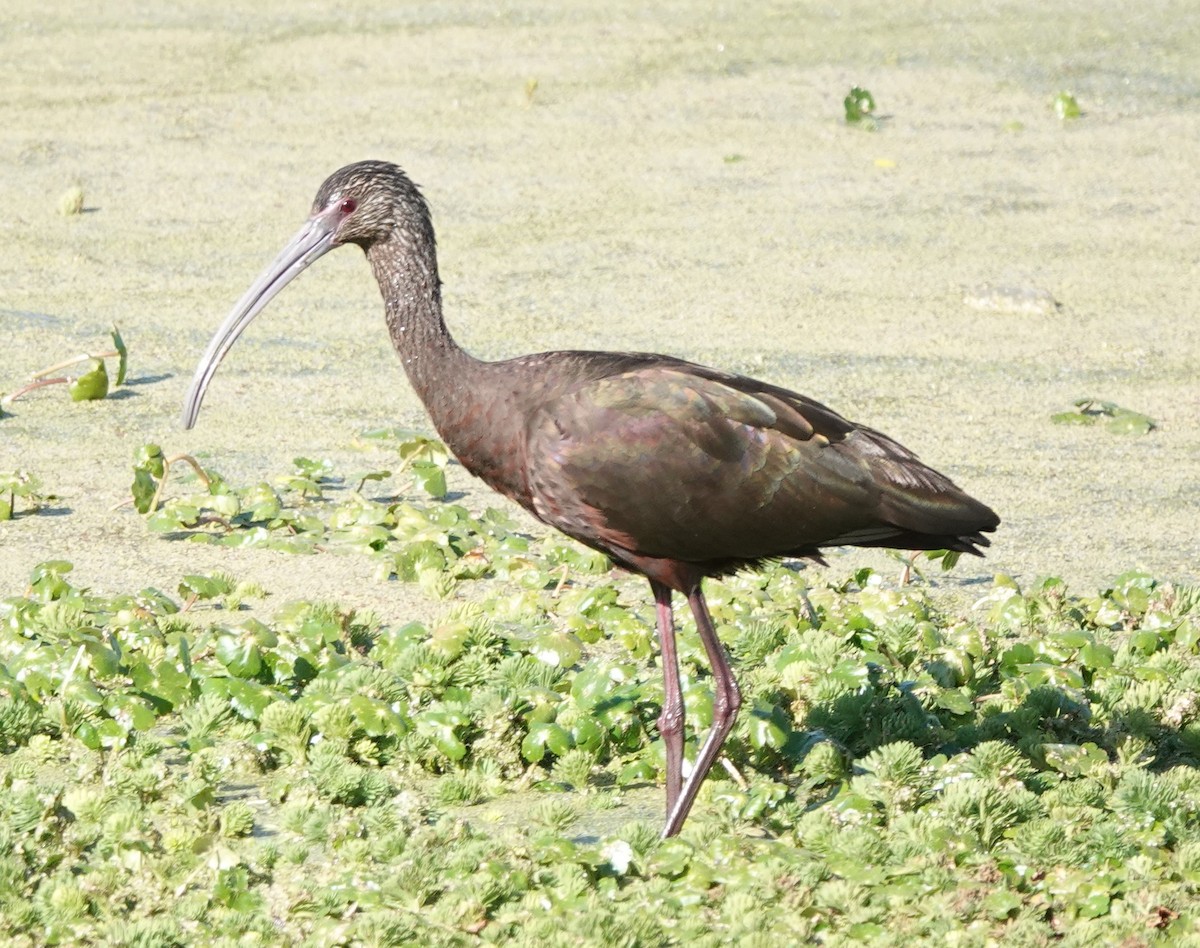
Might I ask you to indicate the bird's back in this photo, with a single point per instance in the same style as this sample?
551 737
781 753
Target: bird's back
653 458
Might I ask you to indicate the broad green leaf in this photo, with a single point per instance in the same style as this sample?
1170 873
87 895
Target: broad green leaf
92 385
430 478
542 737
122 354
247 698
1075 760
240 654
441 728
205 587
143 489
858 105
150 458
1096 656
1002 904
587 734
376 718
112 734
104 661
134 711
637 771
956 701
1065 106
1124 421
765 731
559 649
1094 904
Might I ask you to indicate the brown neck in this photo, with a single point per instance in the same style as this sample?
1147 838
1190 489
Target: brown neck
437 367
472 403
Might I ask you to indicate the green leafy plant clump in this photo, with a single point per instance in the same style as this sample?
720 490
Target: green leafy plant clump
1090 411
90 384
1024 770
1065 106
19 485
175 770
415 536
859 107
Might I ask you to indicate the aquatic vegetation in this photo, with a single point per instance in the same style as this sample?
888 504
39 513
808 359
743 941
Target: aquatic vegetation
1089 411
92 383
173 769
70 202
859 106
19 484
1065 106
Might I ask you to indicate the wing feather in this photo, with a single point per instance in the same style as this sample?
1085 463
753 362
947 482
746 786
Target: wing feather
675 461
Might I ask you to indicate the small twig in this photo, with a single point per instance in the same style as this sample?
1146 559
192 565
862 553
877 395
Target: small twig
562 580
813 619
75 360
733 773
62 692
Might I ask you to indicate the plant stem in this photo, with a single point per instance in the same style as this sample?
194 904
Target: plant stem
112 354
166 472
41 383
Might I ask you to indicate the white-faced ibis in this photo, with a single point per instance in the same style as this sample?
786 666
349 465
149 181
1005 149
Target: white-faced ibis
675 470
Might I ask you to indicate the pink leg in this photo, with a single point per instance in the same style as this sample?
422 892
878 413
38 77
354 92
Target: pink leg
670 722
726 702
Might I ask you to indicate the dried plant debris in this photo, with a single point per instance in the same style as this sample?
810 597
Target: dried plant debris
1021 300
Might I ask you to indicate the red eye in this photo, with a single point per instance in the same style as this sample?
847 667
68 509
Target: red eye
348 206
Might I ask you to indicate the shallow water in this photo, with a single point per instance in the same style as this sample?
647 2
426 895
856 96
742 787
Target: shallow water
680 180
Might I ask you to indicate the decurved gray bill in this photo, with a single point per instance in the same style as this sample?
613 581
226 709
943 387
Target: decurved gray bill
313 240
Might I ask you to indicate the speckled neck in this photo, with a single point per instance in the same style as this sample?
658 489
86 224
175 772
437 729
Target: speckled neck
405 265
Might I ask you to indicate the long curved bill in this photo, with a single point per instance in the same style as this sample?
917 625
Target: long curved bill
312 241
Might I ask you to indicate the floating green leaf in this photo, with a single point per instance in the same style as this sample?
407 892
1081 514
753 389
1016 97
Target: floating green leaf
430 478
205 587
542 737
859 106
1075 760
947 559
122 355
1065 106
18 484
1049 789
92 385
1089 411
240 654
